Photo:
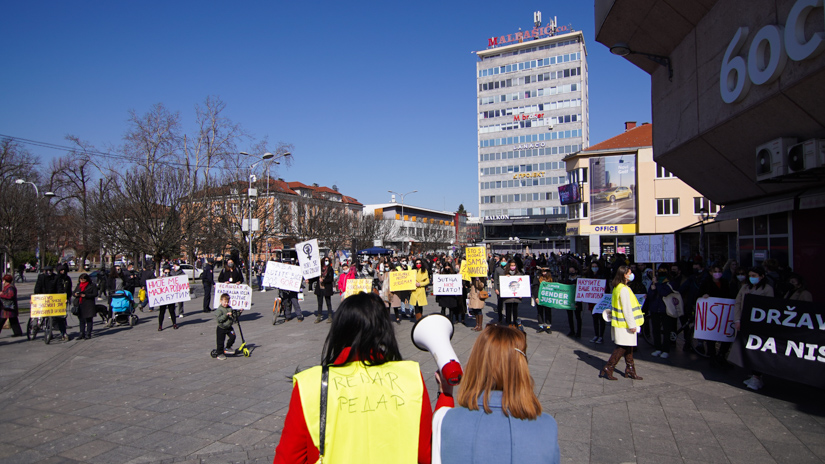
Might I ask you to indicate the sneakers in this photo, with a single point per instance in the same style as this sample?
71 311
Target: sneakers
656 353
593 340
229 351
664 355
599 341
221 357
263 291
318 319
65 338
756 383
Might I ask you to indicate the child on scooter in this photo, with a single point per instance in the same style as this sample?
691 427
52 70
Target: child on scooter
225 318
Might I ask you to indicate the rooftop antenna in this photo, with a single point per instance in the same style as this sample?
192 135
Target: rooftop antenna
537 18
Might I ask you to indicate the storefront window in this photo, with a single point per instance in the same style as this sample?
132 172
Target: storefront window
764 233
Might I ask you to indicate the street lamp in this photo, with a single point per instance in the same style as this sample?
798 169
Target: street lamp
39 218
266 156
402 195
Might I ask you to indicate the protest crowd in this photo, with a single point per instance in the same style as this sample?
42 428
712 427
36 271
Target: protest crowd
381 291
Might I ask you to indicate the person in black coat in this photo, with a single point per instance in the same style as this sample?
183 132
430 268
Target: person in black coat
85 293
63 285
324 288
208 279
230 274
148 273
717 287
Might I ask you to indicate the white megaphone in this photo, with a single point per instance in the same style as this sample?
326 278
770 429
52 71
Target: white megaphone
433 333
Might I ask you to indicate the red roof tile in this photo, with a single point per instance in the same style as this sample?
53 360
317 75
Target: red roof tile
639 136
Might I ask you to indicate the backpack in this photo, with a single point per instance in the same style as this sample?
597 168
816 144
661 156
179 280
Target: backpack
674 304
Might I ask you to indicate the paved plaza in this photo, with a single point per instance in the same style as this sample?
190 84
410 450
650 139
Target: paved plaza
133 395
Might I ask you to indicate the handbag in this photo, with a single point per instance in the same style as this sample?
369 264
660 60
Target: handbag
483 294
8 304
75 310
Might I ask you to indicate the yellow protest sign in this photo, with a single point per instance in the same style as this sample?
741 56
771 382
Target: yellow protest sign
402 280
464 274
48 305
476 261
356 286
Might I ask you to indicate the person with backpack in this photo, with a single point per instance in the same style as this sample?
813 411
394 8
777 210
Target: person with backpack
662 324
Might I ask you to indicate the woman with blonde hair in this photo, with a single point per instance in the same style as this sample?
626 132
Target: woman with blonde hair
497 404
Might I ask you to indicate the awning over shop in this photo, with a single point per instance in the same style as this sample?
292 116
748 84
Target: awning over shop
769 205
812 199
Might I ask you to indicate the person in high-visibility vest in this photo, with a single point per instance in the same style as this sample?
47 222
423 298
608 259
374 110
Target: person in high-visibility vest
376 406
625 319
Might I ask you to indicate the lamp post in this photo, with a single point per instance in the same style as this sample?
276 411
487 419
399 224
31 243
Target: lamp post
402 195
39 218
704 215
264 157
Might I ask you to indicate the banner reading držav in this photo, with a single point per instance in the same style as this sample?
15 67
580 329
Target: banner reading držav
782 338
613 189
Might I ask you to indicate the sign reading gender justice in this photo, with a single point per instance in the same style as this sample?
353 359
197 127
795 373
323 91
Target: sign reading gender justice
402 280
167 290
556 295
48 305
447 284
240 296
308 258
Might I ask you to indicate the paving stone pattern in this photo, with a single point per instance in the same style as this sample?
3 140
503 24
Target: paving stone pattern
136 395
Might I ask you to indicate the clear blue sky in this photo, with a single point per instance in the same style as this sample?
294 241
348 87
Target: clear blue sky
375 96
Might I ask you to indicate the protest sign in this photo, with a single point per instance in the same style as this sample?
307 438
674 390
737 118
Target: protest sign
48 305
357 285
167 290
607 302
308 258
447 284
714 320
783 338
590 290
240 296
402 280
283 276
556 295
476 261
465 270
514 286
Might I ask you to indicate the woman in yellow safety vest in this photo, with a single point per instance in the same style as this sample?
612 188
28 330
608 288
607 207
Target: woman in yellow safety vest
626 318
352 407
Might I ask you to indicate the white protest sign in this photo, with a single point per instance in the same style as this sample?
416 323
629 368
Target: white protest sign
447 284
655 248
714 319
590 290
309 258
167 290
283 276
240 296
607 302
514 286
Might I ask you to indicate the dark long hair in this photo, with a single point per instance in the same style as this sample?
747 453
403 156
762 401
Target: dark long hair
619 277
361 324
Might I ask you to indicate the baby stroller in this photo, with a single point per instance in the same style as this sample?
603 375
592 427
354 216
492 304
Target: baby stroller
123 309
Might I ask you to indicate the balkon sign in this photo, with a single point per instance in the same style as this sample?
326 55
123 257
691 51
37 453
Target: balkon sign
537 32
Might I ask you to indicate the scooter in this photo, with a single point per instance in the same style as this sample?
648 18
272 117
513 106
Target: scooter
241 349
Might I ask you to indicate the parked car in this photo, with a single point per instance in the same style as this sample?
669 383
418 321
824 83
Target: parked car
191 271
616 193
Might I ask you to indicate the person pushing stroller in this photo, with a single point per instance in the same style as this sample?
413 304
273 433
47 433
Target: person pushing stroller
225 316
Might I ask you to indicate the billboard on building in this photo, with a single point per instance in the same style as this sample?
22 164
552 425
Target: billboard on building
569 193
613 189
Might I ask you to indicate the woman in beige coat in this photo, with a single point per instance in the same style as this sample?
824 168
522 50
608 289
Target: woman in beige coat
476 303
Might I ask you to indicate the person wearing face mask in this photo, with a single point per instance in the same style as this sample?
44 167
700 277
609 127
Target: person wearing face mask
230 273
167 270
418 298
323 289
497 273
740 279
797 289
448 302
574 316
347 272
510 304
544 314
717 287
757 284
625 320
662 324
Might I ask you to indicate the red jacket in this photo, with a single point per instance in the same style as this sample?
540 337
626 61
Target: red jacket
296 444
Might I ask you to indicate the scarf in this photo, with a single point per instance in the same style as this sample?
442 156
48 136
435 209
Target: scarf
82 286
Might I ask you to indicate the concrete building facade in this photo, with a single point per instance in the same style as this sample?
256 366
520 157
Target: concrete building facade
532 101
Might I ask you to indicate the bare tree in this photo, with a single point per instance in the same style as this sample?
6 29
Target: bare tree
18 215
153 138
434 236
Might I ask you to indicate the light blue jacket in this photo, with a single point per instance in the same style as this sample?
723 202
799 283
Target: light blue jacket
476 437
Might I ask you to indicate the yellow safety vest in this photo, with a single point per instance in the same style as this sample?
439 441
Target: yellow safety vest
617 315
373 412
